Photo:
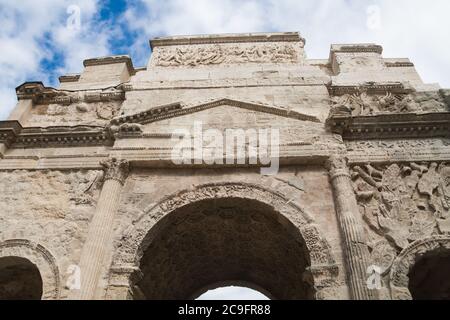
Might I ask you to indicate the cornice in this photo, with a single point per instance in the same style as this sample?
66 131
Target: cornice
227 38
69 78
176 110
391 126
358 47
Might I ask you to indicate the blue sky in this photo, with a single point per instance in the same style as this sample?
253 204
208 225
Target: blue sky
37 43
41 39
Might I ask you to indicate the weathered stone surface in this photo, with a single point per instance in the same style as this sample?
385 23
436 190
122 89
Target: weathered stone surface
89 186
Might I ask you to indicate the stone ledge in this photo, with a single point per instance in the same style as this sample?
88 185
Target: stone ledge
358 47
391 126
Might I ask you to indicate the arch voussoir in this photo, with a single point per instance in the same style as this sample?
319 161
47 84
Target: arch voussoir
137 238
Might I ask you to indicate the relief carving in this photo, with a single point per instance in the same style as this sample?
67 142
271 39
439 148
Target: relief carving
364 104
97 113
214 55
402 203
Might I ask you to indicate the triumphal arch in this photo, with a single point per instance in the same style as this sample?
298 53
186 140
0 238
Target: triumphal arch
124 183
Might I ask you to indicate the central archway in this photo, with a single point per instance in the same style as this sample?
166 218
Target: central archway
223 233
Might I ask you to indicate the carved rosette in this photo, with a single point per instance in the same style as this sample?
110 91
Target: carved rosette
356 249
116 169
337 166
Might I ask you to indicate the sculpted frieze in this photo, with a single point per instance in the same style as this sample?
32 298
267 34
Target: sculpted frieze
216 54
402 144
98 113
403 203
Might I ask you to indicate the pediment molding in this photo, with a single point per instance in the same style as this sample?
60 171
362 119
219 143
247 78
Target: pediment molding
369 87
40 94
176 110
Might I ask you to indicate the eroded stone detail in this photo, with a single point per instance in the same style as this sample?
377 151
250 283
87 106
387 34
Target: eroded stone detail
364 104
402 265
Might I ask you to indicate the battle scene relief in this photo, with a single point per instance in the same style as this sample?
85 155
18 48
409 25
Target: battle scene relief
402 203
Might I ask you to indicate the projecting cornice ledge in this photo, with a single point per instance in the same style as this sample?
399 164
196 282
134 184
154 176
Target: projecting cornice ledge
39 94
391 126
12 134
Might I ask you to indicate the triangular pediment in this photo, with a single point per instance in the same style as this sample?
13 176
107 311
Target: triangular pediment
178 109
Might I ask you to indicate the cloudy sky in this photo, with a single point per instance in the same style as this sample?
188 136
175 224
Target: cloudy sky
40 40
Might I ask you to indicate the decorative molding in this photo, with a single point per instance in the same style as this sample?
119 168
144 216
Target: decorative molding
111 60
402 265
9 130
391 126
42 258
69 78
220 55
40 94
227 38
63 137
176 110
116 169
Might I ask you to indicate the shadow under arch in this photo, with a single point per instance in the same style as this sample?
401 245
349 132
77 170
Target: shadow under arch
410 261
318 269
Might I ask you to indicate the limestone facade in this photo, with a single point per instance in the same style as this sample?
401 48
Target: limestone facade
93 205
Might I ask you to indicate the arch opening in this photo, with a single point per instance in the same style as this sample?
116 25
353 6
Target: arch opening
233 291
428 278
214 242
19 279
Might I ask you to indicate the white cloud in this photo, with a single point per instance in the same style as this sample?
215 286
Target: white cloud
32 31
416 29
232 293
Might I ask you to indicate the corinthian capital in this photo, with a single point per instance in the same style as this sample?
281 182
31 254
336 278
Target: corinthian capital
337 166
116 169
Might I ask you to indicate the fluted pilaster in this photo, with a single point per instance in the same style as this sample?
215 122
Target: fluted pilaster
100 234
356 250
